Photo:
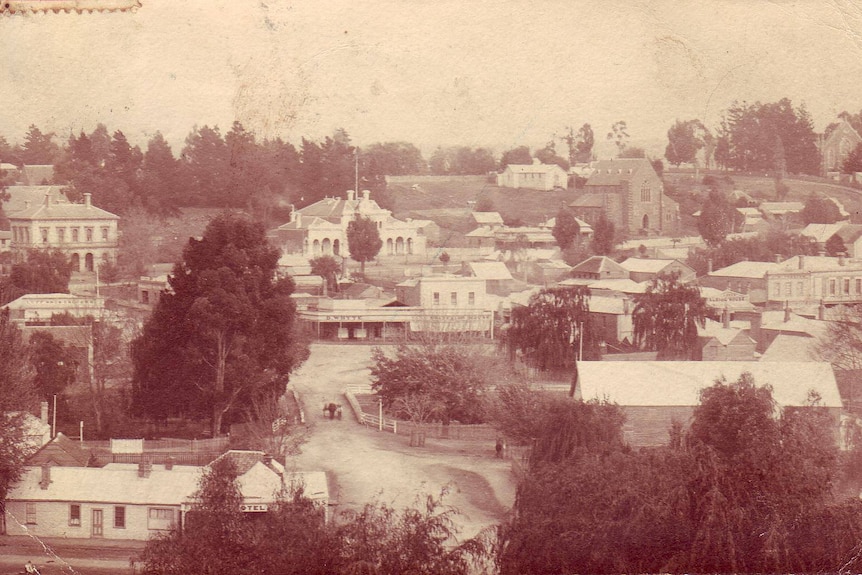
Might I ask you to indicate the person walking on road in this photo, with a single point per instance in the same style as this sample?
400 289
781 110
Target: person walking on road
30 568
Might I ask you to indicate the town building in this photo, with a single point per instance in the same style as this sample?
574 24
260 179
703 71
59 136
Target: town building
837 145
780 212
86 233
724 341
804 282
744 277
138 501
321 228
535 176
630 194
655 394
645 269
38 308
60 452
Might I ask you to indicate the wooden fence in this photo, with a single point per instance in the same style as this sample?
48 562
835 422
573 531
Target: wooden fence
197 458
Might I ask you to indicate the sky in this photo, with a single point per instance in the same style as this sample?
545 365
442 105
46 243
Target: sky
431 72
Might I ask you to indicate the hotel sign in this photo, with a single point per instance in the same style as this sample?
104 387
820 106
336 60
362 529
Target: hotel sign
254 507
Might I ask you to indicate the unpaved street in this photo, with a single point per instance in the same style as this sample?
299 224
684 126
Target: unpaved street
363 463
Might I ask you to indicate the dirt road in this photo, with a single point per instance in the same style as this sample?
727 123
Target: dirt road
363 463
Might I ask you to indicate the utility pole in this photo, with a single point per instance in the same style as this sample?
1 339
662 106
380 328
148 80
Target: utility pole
356 170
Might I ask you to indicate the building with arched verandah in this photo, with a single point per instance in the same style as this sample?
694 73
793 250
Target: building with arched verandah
87 234
321 228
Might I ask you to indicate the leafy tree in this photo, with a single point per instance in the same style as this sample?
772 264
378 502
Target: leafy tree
549 329
619 135
835 246
394 159
517 156
484 204
566 228
39 148
685 140
772 136
136 248
17 395
224 334
161 178
761 248
666 317
718 218
580 145
327 268
53 363
820 211
548 155
206 161
462 160
658 166
363 240
853 162
453 376
45 271
604 236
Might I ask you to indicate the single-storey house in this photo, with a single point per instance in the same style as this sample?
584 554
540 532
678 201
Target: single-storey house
642 269
655 394
599 268
536 176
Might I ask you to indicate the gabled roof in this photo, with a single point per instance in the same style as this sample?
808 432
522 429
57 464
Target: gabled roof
22 196
487 218
788 347
678 383
821 232
245 460
614 172
750 270
817 264
724 335
481 232
534 168
649 266
61 451
849 233
598 265
57 208
843 128
626 286
490 270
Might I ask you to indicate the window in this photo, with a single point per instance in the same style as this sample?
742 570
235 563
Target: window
104 234
44 233
471 298
800 287
119 517
788 287
454 298
75 515
777 289
832 287
645 192
436 298
160 518
145 297
846 286
74 234
31 514
89 234
61 235
858 285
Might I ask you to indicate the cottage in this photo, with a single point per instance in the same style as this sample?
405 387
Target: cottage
599 268
641 269
535 176
653 395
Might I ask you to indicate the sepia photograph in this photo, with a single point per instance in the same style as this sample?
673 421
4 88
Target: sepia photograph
430 287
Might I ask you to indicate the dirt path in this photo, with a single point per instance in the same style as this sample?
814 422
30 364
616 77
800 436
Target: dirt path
363 463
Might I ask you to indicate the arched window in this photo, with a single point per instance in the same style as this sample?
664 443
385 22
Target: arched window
645 222
76 263
327 246
409 245
399 246
389 248
315 248
88 262
645 192
336 247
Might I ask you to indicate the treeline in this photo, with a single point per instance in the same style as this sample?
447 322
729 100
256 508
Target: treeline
740 491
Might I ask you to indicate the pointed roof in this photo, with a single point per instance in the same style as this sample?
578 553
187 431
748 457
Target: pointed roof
614 172
598 265
60 451
55 207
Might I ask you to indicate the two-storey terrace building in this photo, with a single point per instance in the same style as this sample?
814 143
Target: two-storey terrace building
86 233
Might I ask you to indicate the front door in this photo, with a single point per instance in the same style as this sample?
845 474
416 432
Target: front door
97 522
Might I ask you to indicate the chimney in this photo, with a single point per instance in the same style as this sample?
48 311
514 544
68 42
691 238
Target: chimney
725 318
144 468
801 262
87 198
43 412
709 266
351 195
756 331
267 459
169 463
786 311
821 311
841 259
298 219
46 476
366 194
48 200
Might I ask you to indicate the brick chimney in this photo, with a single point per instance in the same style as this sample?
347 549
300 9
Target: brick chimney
88 199
43 412
821 311
351 195
46 476
144 468
801 262
366 194
725 318
786 311
709 266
